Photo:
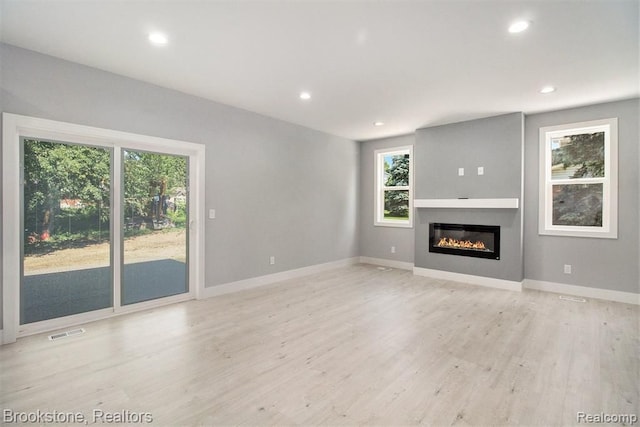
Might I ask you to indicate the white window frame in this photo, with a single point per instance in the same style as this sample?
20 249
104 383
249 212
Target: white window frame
609 228
14 127
380 188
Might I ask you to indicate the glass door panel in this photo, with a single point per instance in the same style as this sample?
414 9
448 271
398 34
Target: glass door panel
66 263
155 222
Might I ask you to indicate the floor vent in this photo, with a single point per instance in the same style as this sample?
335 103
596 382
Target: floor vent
385 268
66 334
574 299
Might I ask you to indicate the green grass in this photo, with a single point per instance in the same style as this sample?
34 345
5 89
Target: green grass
396 218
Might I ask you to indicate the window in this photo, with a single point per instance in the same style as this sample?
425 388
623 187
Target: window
394 182
72 185
578 179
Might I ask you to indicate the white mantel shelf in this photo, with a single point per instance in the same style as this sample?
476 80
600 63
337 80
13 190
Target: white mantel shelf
467 203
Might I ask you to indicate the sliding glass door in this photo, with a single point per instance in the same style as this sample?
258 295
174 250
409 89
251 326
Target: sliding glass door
69 265
66 245
155 211
95 222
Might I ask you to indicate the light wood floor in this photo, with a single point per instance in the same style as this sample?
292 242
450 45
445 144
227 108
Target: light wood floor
355 345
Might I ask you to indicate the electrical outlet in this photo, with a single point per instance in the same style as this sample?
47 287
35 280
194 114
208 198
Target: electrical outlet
212 214
480 170
460 171
272 260
567 269
393 249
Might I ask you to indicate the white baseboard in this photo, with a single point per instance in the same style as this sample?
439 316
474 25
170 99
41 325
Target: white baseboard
468 278
254 282
268 279
2 337
583 291
401 265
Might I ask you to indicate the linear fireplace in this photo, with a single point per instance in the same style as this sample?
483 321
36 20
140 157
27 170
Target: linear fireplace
481 241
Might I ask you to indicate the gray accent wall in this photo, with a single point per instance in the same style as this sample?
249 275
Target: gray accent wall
306 197
278 189
495 143
599 263
376 241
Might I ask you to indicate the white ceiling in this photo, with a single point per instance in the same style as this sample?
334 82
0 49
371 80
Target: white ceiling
409 64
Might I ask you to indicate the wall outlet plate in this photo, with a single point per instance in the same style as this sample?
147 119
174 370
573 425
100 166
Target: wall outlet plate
460 171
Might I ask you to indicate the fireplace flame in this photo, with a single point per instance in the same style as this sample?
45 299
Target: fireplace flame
446 242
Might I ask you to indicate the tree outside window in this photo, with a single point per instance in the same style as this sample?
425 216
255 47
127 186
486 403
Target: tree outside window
394 196
579 179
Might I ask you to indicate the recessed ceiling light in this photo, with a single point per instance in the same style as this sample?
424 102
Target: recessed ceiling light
518 27
547 89
305 95
158 39
378 123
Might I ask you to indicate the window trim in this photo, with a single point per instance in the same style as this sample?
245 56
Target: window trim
379 188
609 228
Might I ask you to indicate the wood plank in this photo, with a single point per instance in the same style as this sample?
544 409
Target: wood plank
354 345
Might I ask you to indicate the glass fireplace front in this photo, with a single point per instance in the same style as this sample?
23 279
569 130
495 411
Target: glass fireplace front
481 241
